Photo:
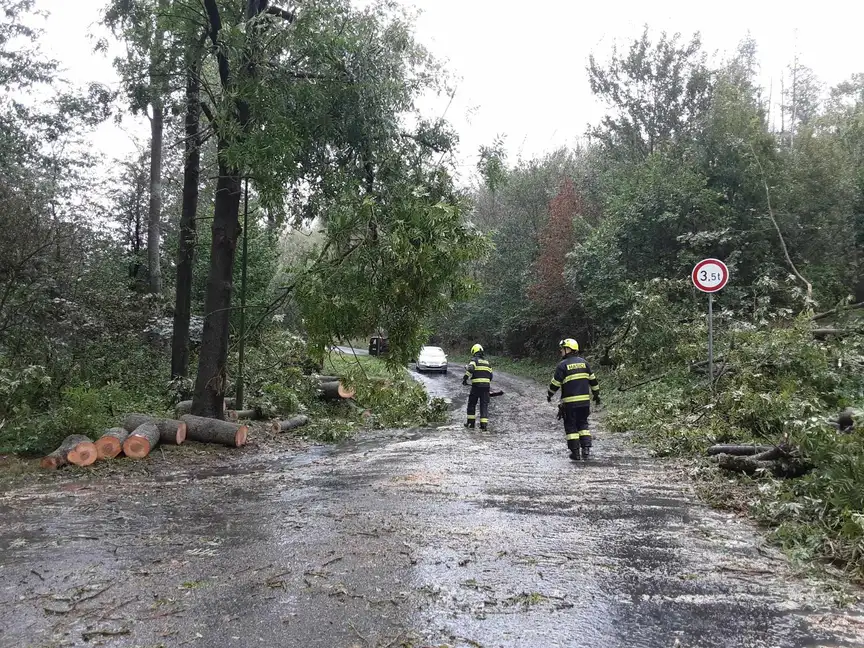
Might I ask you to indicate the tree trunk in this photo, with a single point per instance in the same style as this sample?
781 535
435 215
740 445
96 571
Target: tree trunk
211 382
59 457
188 234
170 431
154 224
142 441
210 430
110 444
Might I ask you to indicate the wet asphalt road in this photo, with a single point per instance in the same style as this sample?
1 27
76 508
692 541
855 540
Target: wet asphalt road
436 538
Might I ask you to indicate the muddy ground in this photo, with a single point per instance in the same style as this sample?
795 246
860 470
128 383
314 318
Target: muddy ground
438 537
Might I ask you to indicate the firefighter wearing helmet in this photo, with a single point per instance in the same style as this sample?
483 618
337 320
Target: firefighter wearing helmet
478 374
573 376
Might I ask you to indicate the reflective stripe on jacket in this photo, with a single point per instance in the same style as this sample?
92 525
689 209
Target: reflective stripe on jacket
573 376
479 371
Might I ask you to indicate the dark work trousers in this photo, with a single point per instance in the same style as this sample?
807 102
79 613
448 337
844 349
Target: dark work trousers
576 428
479 393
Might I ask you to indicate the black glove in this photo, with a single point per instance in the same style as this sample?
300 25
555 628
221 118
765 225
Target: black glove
597 399
464 382
548 397
560 411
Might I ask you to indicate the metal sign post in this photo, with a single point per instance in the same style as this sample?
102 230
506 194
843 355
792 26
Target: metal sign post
710 276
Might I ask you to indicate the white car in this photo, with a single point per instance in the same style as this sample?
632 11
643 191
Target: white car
432 358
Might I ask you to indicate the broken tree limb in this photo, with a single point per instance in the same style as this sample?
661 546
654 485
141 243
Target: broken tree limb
290 424
141 441
59 457
822 333
836 311
336 391
779 232
207 430
170 431
775 461
738 450
110 444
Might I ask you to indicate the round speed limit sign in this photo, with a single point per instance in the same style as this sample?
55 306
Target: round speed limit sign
710 275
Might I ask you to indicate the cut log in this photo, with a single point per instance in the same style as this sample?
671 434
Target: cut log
290 424
244 415
170 431
738 450
141 441
326 379
336 390
207 430
83 454
59 457
110 444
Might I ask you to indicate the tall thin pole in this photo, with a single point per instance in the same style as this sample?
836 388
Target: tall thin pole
710 340
242 346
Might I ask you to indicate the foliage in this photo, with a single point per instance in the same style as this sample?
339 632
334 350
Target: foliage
393 396
776 383
689 163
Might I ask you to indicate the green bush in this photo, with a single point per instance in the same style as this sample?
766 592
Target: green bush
777 383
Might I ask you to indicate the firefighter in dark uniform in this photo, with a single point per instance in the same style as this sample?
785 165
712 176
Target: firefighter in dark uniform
578 386
479 373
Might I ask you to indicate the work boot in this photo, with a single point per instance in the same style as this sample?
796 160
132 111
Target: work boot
483 427
470 426
585 453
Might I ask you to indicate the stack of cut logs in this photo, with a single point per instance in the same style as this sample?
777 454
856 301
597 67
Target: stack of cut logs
139 434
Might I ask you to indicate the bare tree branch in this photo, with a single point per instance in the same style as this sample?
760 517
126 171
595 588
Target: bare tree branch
779 232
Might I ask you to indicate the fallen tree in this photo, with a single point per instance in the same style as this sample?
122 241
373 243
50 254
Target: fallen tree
141 441
110 444
83 448
780 461
170 431
208 430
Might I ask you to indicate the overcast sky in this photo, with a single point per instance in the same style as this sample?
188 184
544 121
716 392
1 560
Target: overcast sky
521 66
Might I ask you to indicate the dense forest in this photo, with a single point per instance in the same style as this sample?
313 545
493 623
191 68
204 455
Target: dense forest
291 196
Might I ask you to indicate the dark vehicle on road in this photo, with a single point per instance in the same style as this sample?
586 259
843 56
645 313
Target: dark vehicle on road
378 345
